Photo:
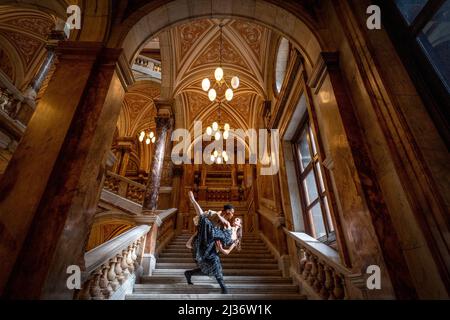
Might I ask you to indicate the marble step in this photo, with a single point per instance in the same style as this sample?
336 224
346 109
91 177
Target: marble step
231 272
188 254
215 288
225 264
183 250
243 246
222 258
212 296
180 279
246 242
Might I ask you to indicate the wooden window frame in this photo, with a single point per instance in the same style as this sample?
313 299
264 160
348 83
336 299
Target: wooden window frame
323 195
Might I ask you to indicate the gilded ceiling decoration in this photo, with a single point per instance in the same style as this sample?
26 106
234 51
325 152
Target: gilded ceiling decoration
5 64
24 33
252 34
26 45
189 33
212 54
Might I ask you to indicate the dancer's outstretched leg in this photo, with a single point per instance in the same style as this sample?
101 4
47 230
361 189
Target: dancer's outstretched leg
194 202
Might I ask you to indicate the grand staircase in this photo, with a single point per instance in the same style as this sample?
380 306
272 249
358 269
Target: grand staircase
251 274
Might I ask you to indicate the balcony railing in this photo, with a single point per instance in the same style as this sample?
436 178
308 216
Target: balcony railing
319 268
148 67
124 187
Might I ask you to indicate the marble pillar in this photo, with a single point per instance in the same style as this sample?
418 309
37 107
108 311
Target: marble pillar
164 124
48 194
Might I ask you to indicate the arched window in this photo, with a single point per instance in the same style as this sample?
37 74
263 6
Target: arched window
282 59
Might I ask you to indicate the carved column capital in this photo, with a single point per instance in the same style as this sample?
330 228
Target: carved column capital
164 108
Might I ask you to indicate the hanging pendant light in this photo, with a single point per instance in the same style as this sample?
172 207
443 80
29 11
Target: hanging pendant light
206 84
212 95
219 77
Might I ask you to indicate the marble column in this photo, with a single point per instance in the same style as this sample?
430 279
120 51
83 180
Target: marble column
49 192
39 78
164 124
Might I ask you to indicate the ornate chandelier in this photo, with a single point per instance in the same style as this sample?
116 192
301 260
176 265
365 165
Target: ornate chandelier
149 137
215 130
219 79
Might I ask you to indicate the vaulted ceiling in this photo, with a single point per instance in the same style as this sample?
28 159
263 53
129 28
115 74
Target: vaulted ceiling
23 35
196 53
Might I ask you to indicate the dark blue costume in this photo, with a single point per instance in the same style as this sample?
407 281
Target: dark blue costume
205 253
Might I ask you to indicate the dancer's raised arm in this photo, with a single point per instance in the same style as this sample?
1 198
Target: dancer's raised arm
194 202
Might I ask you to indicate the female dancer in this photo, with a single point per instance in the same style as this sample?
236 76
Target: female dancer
209 241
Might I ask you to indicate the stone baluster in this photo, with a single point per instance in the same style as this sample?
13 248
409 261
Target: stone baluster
313 272
338 292
95 290
124 265
130 261
302 256
319 285
104 282
84 293
119 272
308 265
112 277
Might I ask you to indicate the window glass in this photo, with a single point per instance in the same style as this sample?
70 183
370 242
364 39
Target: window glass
282 58
305 154
435 42
310 188
317 220
410 8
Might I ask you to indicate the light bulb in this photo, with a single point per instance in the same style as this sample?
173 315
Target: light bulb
153 139
225 158
226 127
141 138
213 158
217 135
215 126
226 135
206 84
235 82
142 134
209 131
151 135
229 94
219 160
212 95
218 74
224 154
147 141
216 153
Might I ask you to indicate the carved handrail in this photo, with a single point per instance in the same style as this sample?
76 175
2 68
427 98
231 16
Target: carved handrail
109 265
124 187
320 267
127 188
